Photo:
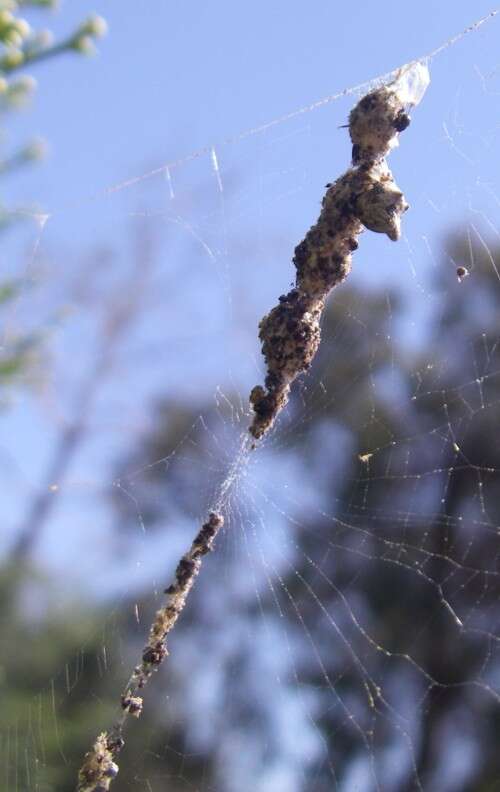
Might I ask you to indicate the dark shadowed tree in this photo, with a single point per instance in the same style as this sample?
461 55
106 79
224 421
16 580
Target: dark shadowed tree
395 578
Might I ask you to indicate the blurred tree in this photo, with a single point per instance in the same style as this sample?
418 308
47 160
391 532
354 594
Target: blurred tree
44 716
406 546
418 532
58 679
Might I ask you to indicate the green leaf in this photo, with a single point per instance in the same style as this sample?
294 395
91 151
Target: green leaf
8 290
12 366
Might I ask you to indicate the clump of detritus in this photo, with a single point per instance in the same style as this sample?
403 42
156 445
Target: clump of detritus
462 273
98 769
132 705
365 196
185 574
155 650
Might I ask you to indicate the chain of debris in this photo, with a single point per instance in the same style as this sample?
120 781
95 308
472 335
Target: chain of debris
366 196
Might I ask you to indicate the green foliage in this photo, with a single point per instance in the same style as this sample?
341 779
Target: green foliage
61 667
15 361
22 46
8 290
49 716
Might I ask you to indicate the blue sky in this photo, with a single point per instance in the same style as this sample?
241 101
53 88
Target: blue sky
171 78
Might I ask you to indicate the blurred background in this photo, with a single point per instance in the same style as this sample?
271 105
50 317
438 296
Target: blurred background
345 633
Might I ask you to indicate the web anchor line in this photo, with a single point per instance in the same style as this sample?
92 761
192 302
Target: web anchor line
208 150
366 196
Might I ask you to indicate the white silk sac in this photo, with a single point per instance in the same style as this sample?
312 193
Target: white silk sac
411 83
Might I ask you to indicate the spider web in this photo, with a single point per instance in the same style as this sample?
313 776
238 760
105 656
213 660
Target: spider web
345 633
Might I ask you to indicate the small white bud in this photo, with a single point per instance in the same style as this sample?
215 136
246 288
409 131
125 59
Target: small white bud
12 58
6 18
95 26
36 150
43 39
84 45
19 90
25 83
11 37
22 27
